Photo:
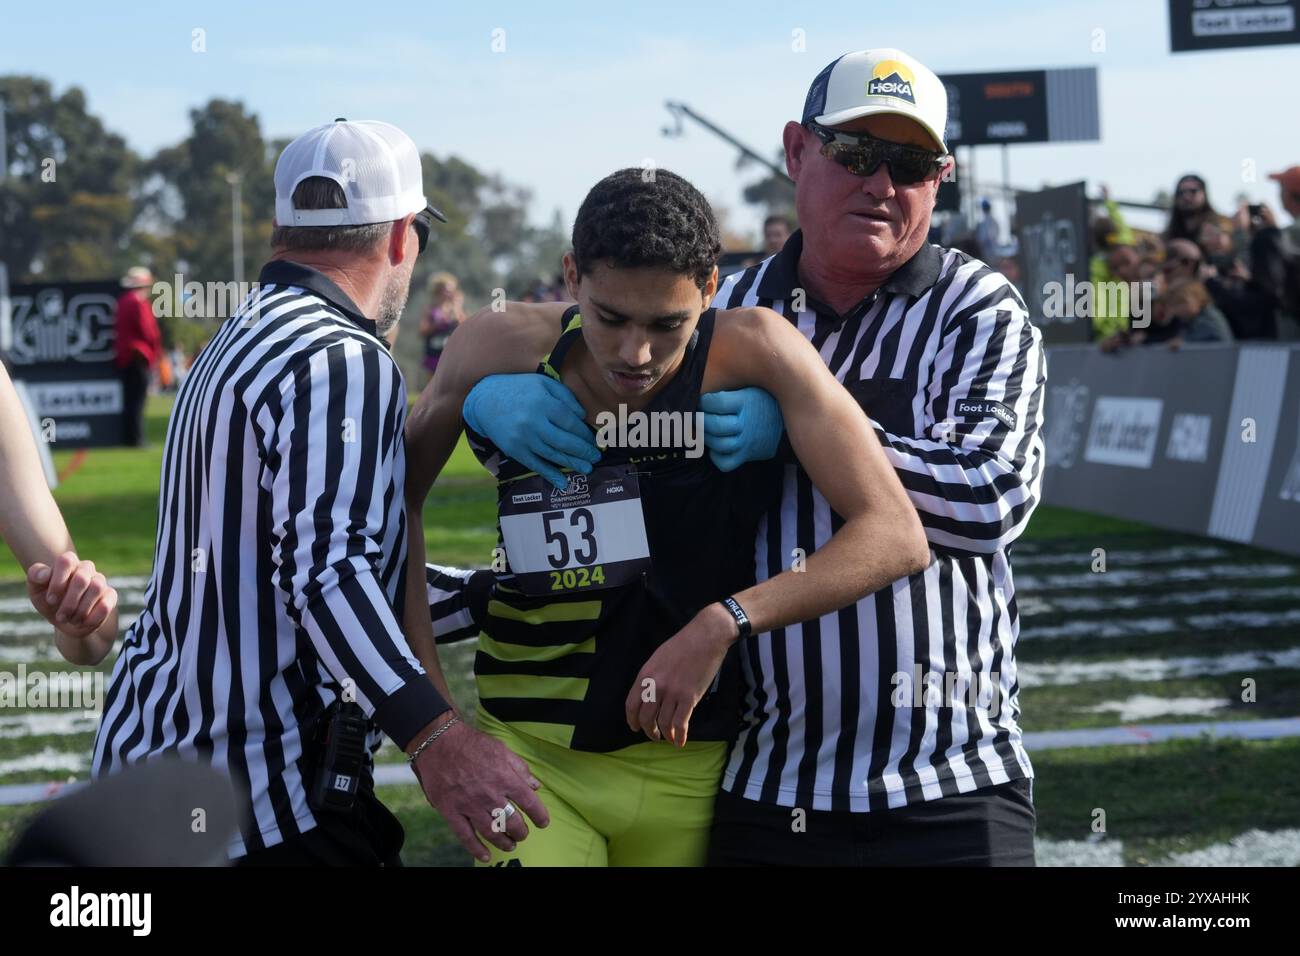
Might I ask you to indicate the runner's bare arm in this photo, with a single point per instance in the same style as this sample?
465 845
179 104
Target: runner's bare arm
880 541
487 343
882 538
30 523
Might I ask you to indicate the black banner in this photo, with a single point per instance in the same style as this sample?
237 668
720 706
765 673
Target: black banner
1052 226
61 347
1022 106
1225 24
996 108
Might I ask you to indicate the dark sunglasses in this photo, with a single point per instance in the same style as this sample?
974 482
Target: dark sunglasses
423 224
1188 191
422 229
861 154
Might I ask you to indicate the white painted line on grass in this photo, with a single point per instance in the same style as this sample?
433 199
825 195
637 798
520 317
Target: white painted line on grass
47 759
1252 848
1157 733
1115 559
1149 706
1078 853
1068 673
1149 626
1032 606
1153 578
391 774
43 723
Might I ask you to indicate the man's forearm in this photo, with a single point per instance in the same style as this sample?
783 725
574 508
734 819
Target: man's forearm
859 559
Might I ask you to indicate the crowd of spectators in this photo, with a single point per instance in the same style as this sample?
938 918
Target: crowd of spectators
1215 277
1209 276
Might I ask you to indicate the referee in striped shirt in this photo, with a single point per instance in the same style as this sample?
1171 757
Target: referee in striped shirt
886 733
271 620
893 723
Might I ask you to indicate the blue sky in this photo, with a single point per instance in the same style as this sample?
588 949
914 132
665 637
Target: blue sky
579 88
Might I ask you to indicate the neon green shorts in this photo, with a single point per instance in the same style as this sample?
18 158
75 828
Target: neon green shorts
650 804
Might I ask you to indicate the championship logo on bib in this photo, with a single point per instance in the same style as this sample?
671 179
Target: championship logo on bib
588 535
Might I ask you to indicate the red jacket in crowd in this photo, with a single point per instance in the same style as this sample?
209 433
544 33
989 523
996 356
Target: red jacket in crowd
136 331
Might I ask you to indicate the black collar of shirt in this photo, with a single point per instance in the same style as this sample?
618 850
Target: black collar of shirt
912 278
285 272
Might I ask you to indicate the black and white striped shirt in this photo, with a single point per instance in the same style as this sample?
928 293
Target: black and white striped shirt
944 360
280 563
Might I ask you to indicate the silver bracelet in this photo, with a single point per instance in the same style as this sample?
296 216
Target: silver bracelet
431 738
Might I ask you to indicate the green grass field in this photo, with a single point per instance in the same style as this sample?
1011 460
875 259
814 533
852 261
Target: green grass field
1150 636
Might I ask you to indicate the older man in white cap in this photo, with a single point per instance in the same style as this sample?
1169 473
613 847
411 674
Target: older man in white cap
893 723
270 643
885 733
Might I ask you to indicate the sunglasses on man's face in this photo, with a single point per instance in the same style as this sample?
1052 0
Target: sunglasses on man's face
861 154
422 226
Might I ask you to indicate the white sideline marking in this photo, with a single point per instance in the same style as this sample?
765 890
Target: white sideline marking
1078 852
40 724
47 759
1033 606
1252 848
1147 706
390 774
1145 626
1083 557
1157 733
1153 668
1086 579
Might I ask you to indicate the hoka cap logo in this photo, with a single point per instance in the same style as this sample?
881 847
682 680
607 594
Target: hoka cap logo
891 78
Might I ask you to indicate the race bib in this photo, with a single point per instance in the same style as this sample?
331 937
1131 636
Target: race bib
587 536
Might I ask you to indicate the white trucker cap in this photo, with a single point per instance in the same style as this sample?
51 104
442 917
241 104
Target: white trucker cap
375 163
871 82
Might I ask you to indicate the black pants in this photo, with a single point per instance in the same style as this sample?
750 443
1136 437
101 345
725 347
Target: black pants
989 827
368 836
135 389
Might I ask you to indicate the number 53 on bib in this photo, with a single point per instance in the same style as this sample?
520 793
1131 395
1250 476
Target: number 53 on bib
591 534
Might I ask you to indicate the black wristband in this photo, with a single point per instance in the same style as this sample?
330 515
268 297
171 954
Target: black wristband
742 619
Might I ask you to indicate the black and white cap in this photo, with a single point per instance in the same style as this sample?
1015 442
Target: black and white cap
872 82
375 163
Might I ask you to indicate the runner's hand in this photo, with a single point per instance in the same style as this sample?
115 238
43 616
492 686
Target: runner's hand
71 595
741 426
678 675
467 777
536 421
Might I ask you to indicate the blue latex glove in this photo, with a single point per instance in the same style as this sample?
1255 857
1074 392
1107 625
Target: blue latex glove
536 421
741 426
